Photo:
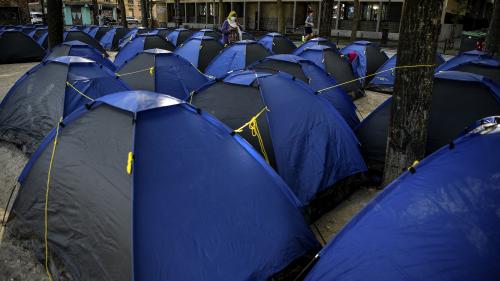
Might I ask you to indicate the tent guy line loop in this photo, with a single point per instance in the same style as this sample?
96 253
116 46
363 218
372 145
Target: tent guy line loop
78 91
254 128
373 74
150 69
46 209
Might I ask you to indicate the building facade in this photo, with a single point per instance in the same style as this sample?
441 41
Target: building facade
14 12
80 12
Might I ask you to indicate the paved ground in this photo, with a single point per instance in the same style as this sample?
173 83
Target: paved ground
17 263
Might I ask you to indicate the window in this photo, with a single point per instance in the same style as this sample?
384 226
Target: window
131 2
370 11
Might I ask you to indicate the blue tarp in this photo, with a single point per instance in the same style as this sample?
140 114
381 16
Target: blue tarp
77 48
387 77
318 79
440 223
233 219
314 42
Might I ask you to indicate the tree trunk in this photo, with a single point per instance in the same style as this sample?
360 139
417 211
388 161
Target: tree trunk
221 12
355 20
144 13
325 27
55 22
95 12
420 26
44 17
150 14
281 16
493 40
178 18
123 13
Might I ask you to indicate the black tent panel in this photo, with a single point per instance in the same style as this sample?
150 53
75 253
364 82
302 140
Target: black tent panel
89 175
16 47
375 58
59 51
85 38
209 50
342 71
255 52
142 80
157 42
274 66
492 73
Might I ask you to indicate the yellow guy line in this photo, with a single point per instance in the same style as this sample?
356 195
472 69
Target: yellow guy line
150 69
47 188
78 91
254 128
376 73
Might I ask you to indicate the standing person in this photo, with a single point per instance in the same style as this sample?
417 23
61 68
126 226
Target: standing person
309 24
231 29
100 18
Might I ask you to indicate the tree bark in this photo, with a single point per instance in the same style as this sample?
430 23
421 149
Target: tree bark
95 12
123 13
55 22
221 12
144 13
44 17
355 20
178 18
150 14
407 136
493 39
281 16
325 27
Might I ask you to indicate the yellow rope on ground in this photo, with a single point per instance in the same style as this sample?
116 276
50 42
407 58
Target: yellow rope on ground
254 128
150 69
47 188
78 91
376 73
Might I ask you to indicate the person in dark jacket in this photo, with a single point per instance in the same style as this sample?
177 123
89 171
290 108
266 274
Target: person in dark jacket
231 29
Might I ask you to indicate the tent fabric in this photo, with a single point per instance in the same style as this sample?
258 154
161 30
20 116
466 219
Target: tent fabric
140 43
314 42
234 219
199 50
81 36
162 32
307 140
111 39
336 66
98 32
16 47
33 106
386 78
315 77
458 99
237 56
172 74
43 39
178 36
206 32
277 43
35 34
79 49
369 58
439 223
474 62
127 37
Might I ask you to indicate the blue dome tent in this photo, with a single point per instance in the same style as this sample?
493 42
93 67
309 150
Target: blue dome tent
474 62
178 36
110 40
369 58
163 72
277 43
237 56
314 42
50 90
385 79
97 32
79 49
301 135
43 39
16 47
85 38
163 32
35 34
130 195
200 50
207 32
315 77
439 221
140 43
458 99
336 66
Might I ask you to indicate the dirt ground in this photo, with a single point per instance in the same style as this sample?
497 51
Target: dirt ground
17 263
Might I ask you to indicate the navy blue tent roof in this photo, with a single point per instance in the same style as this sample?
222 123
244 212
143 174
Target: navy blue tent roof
439 223
235 57
314 42
140 43
199 50
316 78
178 36
79 49
81 36
16 47
170 74
304 136
207 32
387 77
49 91
474 62
369 58
111 39
277 43
196 203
